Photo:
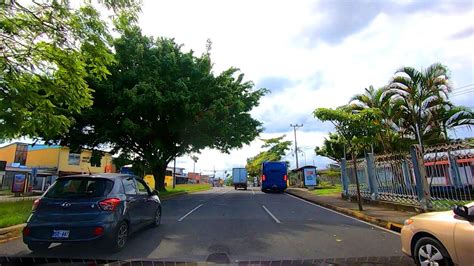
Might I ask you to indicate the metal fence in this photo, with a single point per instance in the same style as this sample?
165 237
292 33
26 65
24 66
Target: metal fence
362 176
449 171
395 178
440 177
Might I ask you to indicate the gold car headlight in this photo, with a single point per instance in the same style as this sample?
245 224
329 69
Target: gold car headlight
408 222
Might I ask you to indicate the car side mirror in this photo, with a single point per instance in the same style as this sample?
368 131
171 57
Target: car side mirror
463 212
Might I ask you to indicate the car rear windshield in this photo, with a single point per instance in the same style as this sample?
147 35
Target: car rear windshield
80 187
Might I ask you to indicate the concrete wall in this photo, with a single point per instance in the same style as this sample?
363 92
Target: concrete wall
7 153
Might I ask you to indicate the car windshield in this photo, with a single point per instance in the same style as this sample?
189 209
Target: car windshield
79 187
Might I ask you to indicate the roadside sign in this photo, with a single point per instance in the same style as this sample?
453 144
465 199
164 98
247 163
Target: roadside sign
19 181
310 177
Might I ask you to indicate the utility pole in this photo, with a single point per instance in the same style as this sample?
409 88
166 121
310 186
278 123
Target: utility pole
174 173
296 145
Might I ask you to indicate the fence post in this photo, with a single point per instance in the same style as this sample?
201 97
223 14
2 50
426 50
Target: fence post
454 171
373 186
344 179
406 174
422 187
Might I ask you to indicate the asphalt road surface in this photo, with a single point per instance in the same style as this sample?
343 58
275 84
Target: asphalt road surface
244 225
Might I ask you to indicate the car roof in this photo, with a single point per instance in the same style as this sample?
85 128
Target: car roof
101 175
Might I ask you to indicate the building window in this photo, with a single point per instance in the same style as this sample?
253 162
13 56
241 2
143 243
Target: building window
20 153
74 159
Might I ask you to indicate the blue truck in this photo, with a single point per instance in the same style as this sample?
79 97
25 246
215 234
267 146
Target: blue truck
274 176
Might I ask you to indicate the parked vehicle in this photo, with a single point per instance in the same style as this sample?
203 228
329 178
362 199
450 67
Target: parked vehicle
274 176
441 238
104 208
239 178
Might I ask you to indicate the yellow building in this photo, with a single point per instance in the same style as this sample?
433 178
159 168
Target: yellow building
54 157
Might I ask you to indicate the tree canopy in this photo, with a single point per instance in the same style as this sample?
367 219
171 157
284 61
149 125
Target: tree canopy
413 108
48 50
276 149
161 102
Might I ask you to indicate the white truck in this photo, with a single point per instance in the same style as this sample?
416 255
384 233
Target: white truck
239 178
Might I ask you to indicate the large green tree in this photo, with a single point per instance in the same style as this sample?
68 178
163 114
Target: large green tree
276 149
48 50
161 102
333 147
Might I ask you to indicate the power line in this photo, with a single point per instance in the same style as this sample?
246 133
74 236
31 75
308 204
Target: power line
463 90
463 86
460 94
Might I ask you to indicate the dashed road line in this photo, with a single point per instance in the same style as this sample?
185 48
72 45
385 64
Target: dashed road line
197 207
271 214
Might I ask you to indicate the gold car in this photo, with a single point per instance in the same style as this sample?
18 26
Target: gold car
441 238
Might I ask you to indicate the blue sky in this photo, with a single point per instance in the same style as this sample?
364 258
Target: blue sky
313 54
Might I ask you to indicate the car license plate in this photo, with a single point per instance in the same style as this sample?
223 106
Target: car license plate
60 234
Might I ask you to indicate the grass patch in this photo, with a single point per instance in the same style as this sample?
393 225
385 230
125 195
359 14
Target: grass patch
4 192
327 190
185 188
12 213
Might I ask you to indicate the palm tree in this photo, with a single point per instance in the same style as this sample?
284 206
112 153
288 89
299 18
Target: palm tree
455 116
379 99
421 96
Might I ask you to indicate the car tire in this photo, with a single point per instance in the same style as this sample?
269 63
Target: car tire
38 247
120 237
157 218
427 248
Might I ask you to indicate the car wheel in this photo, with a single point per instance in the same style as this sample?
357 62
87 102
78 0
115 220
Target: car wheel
121 236
157 221
38 247
429 251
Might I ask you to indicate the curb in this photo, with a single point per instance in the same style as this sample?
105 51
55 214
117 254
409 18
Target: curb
356 214
11 232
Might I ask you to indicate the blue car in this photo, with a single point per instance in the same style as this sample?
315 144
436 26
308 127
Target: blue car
104 208
274 176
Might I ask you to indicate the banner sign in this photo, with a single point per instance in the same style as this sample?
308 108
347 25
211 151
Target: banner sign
19 181
310 177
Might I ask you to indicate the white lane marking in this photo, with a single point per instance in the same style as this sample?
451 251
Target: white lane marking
345 215
197 207
271 214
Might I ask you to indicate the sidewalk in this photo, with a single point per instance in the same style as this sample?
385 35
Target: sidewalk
384 217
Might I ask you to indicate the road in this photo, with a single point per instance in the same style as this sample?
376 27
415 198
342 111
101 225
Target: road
245 225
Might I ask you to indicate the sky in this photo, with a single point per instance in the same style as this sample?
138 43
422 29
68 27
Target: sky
312 54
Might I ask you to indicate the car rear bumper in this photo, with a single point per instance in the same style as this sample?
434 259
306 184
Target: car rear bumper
273 187
83 232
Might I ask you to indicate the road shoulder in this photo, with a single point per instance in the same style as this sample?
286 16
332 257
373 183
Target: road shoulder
383 217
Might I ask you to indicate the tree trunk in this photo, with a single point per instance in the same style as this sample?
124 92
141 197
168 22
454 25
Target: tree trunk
159 172
359 199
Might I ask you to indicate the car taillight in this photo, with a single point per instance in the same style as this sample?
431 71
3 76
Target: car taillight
35 204
98 231
285 177
26 231
263 177
109 204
